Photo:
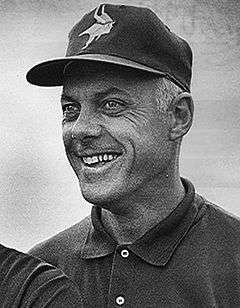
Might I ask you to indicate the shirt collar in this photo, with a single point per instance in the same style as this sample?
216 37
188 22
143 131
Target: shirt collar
98 242
158 244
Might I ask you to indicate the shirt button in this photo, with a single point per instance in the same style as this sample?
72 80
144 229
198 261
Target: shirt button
120 300
124 253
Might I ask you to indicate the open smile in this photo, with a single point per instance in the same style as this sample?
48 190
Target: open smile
99 160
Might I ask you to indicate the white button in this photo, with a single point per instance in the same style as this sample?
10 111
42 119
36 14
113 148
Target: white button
124 253
120 300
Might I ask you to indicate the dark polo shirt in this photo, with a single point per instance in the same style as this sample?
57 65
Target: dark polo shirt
190 259
27 282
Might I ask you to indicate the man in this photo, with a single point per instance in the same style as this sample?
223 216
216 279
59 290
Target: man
26 281
150 240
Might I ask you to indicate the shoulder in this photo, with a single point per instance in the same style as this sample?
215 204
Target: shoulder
66 243
25 280
219 224
220 215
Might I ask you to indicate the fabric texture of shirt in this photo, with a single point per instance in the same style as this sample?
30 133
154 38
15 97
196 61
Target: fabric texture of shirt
190 259
27 282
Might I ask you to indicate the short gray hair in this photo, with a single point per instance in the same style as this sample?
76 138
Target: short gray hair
166 91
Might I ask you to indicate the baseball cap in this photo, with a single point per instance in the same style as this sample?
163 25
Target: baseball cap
123 35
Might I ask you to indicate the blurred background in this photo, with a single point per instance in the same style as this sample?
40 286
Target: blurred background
39 194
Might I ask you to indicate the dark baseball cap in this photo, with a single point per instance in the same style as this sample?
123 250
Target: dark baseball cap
123 35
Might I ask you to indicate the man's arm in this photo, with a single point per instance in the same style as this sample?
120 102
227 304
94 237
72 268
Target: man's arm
26 281
52 289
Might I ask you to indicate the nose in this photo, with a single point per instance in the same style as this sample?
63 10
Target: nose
86 127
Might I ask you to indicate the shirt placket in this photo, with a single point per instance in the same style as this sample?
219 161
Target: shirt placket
118 295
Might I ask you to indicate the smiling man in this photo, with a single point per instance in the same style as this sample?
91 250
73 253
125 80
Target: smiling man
151 241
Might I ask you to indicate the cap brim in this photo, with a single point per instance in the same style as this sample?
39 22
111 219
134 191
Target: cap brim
50 73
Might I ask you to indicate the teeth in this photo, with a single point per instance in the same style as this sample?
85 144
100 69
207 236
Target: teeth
89 160
94 160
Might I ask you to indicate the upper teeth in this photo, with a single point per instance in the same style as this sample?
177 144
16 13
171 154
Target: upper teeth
98 158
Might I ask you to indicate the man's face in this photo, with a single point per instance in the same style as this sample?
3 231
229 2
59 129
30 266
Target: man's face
116 139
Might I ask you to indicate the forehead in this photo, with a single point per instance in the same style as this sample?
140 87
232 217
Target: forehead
101 76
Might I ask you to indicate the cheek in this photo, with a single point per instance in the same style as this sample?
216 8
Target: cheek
152 142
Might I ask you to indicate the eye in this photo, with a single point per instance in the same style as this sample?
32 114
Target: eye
70 111
113 106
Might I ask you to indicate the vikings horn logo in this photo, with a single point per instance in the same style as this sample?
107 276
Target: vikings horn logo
103 25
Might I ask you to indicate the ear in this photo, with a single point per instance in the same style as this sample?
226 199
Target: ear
181 115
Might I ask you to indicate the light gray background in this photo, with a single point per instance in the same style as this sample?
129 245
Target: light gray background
39 194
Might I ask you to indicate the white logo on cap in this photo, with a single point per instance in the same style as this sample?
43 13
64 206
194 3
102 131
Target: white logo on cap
103 25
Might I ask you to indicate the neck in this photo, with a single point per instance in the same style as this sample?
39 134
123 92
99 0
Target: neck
143 210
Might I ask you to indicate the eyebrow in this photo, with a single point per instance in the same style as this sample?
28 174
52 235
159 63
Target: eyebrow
111 90
65 97
97 96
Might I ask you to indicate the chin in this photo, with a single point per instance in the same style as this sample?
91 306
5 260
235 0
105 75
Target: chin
101 196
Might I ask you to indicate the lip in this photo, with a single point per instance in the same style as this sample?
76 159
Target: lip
100 167
99 152
89 172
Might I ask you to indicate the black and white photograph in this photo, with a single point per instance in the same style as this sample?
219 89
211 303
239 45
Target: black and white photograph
120 153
